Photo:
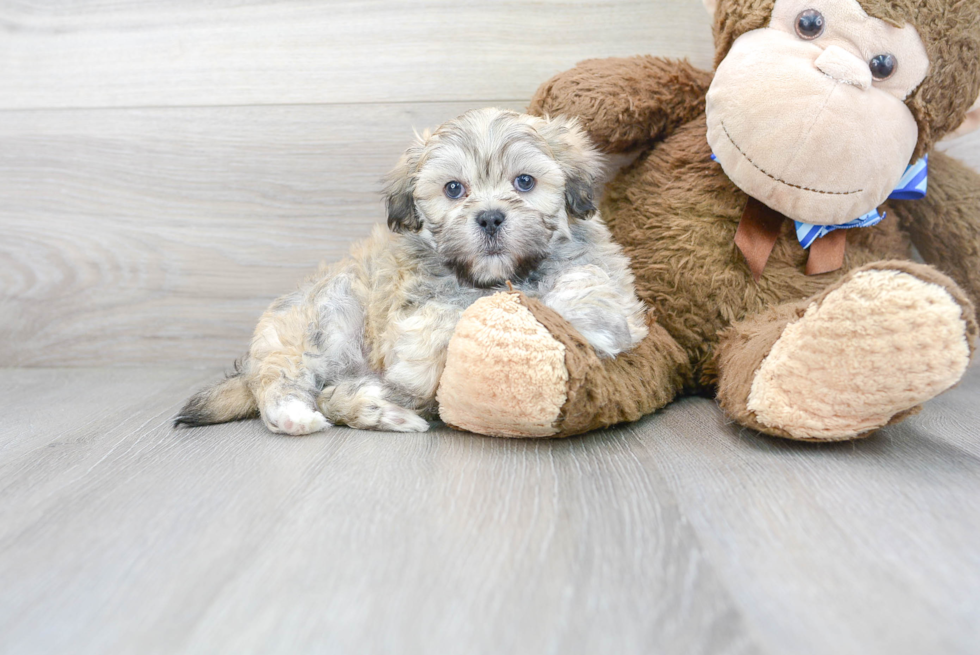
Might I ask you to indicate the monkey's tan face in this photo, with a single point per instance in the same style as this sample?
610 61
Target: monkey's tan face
809 115
490 196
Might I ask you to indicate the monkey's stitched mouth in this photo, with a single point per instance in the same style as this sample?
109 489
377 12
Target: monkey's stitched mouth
784 182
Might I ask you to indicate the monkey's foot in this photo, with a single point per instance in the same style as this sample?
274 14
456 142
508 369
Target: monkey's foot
517 369
865 353
505 375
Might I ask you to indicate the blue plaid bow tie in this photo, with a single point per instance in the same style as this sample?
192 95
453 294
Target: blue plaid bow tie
913 186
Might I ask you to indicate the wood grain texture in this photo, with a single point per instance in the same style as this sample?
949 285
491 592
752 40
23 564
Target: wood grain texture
160 235
124 53
860 547
121 535
679 534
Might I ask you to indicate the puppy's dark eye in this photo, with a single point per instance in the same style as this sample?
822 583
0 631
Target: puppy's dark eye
454 190
883 67
524 183
810 24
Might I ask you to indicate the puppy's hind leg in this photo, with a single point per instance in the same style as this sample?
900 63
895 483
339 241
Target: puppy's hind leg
307 340
294 417
285 372
364 403
285 393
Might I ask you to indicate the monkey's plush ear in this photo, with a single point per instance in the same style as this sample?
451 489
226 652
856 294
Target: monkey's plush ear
971 124
399 190
579 159
711 6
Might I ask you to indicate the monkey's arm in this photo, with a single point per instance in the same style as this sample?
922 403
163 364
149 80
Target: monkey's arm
516 368
945 225
626 102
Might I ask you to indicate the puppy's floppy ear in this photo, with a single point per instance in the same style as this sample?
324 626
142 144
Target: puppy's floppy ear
579 159
399 190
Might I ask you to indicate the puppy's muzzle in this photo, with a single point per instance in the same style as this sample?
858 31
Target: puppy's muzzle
490 221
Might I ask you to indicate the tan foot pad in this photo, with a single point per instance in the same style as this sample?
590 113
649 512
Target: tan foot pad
520 390
881 344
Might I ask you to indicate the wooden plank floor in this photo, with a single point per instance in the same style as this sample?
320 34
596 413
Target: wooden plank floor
679 534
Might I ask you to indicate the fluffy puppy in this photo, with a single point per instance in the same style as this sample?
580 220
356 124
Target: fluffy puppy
488 198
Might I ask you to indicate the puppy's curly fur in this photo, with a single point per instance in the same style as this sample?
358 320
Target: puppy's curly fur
363 342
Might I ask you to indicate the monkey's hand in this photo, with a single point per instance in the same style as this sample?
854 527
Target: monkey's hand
945 225
516 368
624 103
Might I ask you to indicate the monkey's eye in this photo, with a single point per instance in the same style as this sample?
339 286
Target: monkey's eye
810 24
454 190
524 183
883 67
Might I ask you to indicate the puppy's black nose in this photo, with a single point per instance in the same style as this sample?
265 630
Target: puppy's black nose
490 220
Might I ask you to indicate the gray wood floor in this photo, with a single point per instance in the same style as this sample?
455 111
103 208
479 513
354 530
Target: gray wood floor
679 534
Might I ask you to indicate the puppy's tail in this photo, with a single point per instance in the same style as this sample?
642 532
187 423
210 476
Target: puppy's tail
229 400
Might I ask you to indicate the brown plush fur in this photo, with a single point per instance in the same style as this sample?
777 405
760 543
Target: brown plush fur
646 97
675 212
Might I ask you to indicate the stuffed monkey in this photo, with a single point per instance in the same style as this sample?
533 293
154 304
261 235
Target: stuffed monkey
770 217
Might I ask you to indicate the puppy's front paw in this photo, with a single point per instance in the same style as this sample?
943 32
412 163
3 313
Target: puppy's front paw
606 313
294 417
607 333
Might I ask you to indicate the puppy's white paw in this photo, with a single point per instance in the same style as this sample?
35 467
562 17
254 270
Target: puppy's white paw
294 417
608 333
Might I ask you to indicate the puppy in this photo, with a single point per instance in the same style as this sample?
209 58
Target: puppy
490 198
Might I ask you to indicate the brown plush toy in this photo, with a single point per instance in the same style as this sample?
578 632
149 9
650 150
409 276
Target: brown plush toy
818 112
